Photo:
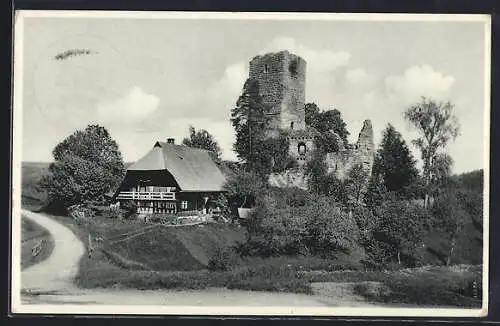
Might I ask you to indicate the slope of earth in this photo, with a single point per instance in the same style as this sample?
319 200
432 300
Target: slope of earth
33 235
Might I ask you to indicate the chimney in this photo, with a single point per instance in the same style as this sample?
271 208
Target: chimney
170 140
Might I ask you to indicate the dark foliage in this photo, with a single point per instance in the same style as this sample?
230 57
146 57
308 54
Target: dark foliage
326 123
204 140
394 163
87 165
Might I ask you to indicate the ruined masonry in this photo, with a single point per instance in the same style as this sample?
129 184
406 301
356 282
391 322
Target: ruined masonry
282 80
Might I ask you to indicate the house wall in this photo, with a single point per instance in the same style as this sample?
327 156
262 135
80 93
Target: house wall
137 180
195 200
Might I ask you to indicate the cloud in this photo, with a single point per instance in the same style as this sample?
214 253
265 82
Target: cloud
230 85
321 66
317 60
359 77
133 146
134 106
418 81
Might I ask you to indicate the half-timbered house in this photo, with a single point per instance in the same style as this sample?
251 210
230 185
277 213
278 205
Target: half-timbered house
172 178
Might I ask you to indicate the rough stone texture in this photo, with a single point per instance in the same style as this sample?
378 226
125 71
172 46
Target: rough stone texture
282 80
301 144
360 153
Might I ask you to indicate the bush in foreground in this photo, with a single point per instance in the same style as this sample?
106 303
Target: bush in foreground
431 287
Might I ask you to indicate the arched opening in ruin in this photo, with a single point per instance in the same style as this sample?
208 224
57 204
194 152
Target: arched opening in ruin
302 148
291 125
266 68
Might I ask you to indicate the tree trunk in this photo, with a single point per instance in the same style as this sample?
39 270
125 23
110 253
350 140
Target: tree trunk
427 177
399 257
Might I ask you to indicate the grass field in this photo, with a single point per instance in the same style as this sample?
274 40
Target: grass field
31 234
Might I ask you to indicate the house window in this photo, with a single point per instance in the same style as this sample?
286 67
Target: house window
184 204
266 68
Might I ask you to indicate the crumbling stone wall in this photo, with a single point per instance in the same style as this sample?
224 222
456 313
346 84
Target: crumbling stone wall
301 145
362 153
282 78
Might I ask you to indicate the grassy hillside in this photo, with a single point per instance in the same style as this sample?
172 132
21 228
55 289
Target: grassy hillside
469 246
176 249
31 173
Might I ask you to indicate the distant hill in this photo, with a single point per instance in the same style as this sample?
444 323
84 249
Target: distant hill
31 173
470 180
469 246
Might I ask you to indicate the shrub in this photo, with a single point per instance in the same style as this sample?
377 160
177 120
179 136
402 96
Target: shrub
399 232
319 227
329 228
222 205
243 189
81 213
223 259
163 218
290 196
113 212
366 222
431 287
129 208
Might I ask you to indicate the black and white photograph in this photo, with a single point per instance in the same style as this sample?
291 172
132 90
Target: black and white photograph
217 163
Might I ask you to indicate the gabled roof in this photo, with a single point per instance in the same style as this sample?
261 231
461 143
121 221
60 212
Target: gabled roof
192 168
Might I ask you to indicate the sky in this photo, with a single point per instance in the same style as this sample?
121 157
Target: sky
149 79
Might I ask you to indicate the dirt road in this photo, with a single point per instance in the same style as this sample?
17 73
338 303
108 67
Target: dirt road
51 282
57 272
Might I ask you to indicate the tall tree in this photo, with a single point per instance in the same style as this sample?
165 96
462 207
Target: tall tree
326 123
393 162
450 217
437 125
441 172
356 184
375 191
312 112
87 165
250 122
316 170
204 140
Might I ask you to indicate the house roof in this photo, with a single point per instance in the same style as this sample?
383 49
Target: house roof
192 168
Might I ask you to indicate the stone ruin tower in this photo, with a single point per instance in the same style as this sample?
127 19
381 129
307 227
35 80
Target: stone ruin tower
282 82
